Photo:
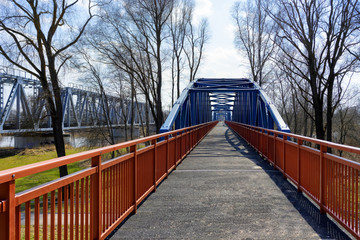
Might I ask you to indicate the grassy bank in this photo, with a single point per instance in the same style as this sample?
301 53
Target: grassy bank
29 156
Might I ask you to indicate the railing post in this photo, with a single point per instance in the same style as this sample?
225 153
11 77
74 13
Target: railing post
267 145
154 143
7 210
176 149
96 204
275 136
192 139
188 138
322 180
167 155
300 142
258 140
181 145
284 162
260 143
133 149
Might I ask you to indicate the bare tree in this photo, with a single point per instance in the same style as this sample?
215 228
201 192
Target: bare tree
131 39
95 78
150 18
344 117
316 39
254 34
194 48
33 40
179 21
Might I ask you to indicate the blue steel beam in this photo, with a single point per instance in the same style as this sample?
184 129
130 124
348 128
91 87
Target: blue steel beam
239 100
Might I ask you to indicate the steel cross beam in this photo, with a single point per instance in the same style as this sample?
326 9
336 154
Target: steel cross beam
240 100
23 108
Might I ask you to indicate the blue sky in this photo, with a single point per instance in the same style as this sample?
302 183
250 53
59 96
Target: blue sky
222 59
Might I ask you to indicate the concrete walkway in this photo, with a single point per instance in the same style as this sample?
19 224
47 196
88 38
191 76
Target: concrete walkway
224 190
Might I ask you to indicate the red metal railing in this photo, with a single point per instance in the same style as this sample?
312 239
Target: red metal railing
331 181
89 204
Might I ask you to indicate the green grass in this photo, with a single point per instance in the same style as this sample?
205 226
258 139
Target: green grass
29 156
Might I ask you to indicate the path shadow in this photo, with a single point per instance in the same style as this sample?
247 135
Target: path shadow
322 225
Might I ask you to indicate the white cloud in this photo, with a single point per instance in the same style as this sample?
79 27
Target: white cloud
223 62
203 8
231 28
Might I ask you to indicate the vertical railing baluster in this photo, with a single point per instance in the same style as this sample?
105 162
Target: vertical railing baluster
77 197
59 213
66 201
86 208
353 199
71 192
52 215
27 220
82 220
36 218
18 223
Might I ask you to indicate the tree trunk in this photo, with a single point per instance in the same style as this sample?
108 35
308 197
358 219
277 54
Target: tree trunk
172 81
159 113
57 113
329 111
59 142
140 117
305 121
132 109
317 100
178 75
147 120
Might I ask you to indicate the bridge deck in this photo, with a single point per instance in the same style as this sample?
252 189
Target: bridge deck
224 190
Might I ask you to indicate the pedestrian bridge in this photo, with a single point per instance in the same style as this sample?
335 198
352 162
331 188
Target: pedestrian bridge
199 179
224 190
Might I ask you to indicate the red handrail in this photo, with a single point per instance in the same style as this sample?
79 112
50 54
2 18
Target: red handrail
331 181
91 203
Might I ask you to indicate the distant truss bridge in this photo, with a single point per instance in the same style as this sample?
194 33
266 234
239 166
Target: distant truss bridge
23 107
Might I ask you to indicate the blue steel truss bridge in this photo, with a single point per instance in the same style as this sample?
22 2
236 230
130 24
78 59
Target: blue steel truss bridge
209 99
23 106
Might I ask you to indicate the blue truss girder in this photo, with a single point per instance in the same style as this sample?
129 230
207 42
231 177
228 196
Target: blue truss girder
23 107
239 100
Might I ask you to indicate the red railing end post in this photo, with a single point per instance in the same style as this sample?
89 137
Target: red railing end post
7 210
